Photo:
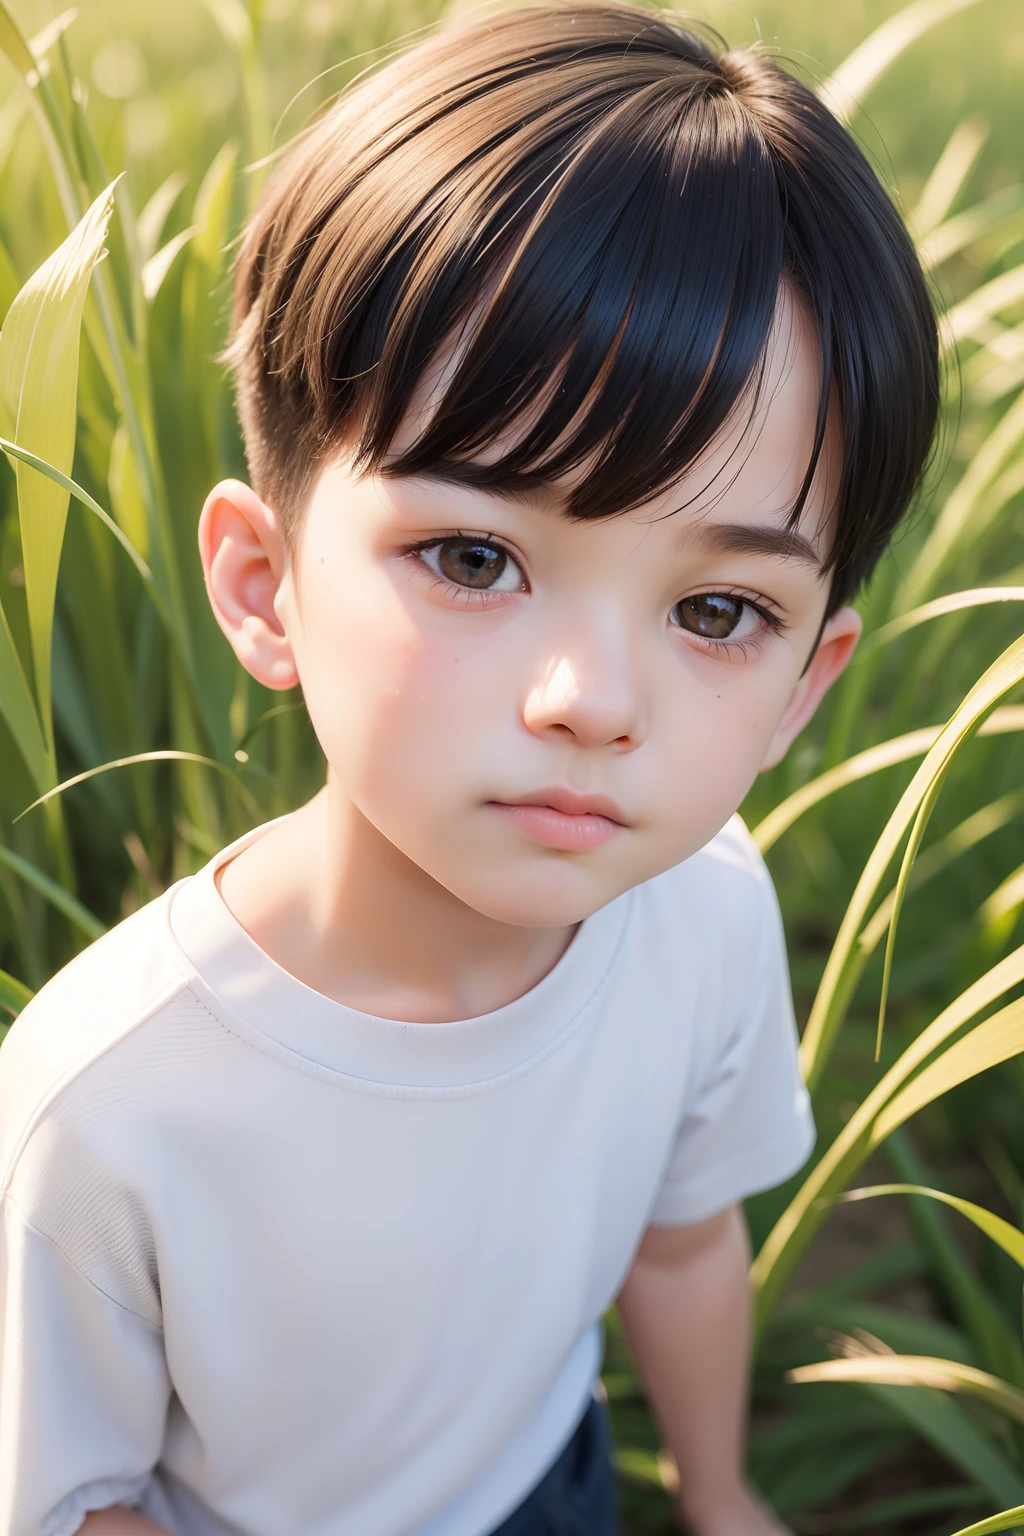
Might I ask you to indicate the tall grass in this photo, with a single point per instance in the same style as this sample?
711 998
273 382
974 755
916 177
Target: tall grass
132 747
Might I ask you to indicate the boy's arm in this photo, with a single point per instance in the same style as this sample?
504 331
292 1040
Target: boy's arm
685 1308
119 1521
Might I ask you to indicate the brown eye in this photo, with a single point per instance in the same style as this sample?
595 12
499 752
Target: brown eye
711 614
471 565
475 564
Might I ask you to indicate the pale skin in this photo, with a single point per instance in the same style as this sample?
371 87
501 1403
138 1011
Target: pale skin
440 705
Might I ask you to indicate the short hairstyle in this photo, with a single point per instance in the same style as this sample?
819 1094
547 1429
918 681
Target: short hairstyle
616 198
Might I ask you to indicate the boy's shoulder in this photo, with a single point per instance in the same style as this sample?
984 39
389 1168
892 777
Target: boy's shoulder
122 979
726 881
734 847
715 914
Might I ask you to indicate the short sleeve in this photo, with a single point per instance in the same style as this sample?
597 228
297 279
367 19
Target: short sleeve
748 1125
84 1389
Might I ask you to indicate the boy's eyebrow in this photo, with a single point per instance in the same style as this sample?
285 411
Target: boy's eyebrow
438 474
715 538
751 539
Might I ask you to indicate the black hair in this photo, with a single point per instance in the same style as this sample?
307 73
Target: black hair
616 199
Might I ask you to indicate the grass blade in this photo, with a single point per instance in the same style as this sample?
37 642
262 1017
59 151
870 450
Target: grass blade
966 835
38 393
151 221
844 90
51 34
1009 1520
1006 898
941 1420
996 1341
907 1087
165 755
238 27
1002 291
854 1144
826 1014
953 602
19 711
9 284
863 764
916 835
918 1371
160 263
55 894
996 1040
74 489
949 175
962 505
1009 1238
13 995
13 44
971 225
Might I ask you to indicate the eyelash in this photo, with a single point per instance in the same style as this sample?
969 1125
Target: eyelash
771 622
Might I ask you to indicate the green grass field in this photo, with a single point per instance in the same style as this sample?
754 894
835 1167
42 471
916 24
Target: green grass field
904 801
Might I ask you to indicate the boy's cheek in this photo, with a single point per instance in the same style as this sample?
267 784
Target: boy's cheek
696 802
711 757
386 701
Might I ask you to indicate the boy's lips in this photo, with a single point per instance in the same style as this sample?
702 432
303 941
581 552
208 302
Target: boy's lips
562 818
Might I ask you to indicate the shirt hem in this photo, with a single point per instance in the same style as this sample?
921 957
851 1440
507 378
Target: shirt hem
69 1515
783 1156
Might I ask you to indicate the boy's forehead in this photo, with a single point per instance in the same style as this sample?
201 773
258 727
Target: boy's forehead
751 471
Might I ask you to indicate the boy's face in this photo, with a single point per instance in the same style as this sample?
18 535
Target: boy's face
539 713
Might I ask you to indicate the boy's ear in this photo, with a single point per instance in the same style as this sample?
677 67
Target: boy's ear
838 641
246 566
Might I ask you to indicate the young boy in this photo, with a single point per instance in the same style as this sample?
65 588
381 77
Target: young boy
585 370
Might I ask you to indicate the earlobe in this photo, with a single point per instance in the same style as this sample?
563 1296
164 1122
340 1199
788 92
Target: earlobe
245 564
836 646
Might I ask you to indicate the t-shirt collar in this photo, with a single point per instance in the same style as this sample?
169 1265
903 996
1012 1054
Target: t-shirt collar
239 978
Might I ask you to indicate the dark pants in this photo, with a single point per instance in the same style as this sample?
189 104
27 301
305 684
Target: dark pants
576 1496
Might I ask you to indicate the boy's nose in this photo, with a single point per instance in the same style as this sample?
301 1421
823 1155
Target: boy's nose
592 700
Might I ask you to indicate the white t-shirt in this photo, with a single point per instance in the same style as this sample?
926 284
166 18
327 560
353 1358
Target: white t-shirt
273 1267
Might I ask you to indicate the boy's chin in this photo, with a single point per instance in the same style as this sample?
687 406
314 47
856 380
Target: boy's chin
554 902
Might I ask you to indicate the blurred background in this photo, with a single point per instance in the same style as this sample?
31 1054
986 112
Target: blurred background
165 88
122 661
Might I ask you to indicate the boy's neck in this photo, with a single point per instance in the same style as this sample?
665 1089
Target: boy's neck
336 904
